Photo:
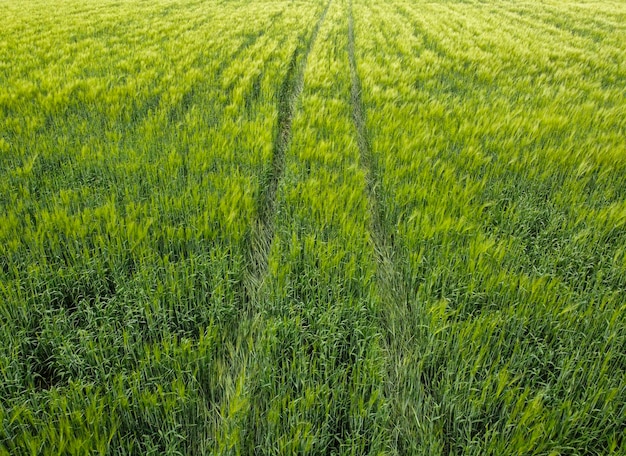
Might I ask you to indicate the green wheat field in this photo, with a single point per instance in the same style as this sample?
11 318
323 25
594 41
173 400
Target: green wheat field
313 227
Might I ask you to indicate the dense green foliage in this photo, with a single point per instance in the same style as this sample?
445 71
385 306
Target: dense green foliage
289 227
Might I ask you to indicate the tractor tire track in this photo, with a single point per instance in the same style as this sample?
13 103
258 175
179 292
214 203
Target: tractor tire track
262 228
409 403
380 237
258 241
